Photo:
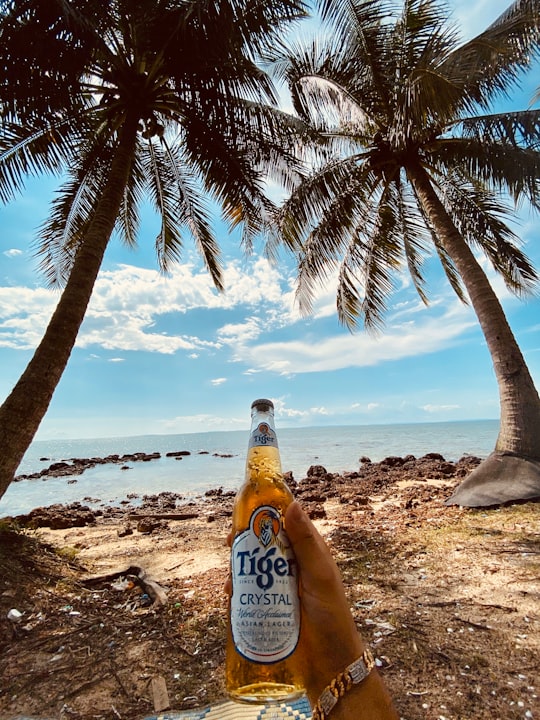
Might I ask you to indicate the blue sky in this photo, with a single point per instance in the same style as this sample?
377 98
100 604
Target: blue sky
170 355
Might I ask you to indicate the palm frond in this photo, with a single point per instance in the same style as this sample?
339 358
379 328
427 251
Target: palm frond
27 150
338 212
517 128
382 256
500 165
479 216
362 18
422 95
176 190
450 270
71 213
128 220
319 85
168 240
491 64
35 36
414 235
316 201
214 46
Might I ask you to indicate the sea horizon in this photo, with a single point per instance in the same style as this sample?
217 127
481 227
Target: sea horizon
279 428
216 459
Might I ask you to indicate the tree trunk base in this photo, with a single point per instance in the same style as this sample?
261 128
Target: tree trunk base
498 480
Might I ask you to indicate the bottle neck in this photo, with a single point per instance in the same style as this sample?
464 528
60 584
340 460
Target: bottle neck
263 432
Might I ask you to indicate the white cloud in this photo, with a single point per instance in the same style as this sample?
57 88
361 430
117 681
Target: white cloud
12 252
128 301
24 315
130 304
254 284
283 411
130 333
439 408
218 381
235 333
319 411
201 422
341 351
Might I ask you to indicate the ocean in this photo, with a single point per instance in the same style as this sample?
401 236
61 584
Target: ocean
336 448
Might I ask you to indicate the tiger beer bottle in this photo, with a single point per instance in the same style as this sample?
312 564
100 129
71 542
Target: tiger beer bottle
263 662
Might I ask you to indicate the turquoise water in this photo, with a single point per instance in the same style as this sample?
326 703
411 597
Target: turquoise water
337 448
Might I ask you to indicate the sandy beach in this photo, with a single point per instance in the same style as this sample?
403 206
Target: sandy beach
449 599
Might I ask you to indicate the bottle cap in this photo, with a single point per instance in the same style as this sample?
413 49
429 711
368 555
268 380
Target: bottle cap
263 404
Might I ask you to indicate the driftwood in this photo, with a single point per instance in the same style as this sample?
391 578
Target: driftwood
151 587
160 695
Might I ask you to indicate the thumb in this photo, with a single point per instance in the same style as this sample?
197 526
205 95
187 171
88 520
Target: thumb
317 566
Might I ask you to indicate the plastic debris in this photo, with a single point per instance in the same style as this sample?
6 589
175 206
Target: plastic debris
14 615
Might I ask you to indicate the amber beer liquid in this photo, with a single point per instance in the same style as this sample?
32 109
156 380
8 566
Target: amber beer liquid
263 662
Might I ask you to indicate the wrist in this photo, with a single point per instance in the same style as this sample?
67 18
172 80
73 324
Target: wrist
354 674
369 700
330 662
356 692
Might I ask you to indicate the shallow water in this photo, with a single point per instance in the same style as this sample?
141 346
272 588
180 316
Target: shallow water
337 448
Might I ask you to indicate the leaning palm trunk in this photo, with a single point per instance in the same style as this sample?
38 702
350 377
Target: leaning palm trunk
27 403
512 471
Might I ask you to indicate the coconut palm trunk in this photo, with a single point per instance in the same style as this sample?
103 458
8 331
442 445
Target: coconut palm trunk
27 403
501 475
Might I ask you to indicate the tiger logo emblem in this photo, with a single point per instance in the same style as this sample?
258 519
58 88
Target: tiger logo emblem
267 527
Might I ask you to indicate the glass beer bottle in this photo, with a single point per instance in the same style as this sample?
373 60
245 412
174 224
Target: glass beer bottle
263 662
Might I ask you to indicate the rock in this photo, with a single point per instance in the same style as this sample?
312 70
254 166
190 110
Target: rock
58 517
316 471
393 461
315 511
58 466
433 456
289 479
78 465
147 525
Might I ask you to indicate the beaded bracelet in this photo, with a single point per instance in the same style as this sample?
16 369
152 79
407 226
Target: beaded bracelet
352 675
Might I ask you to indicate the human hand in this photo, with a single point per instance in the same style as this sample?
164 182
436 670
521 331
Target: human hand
329 632
329 638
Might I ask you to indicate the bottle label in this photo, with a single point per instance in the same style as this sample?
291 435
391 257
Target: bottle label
263 436
265 609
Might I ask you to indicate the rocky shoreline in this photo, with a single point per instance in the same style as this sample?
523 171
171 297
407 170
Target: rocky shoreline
76 466
146 513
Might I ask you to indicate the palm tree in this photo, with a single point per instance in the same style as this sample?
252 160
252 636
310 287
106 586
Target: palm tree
127 99
411 159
